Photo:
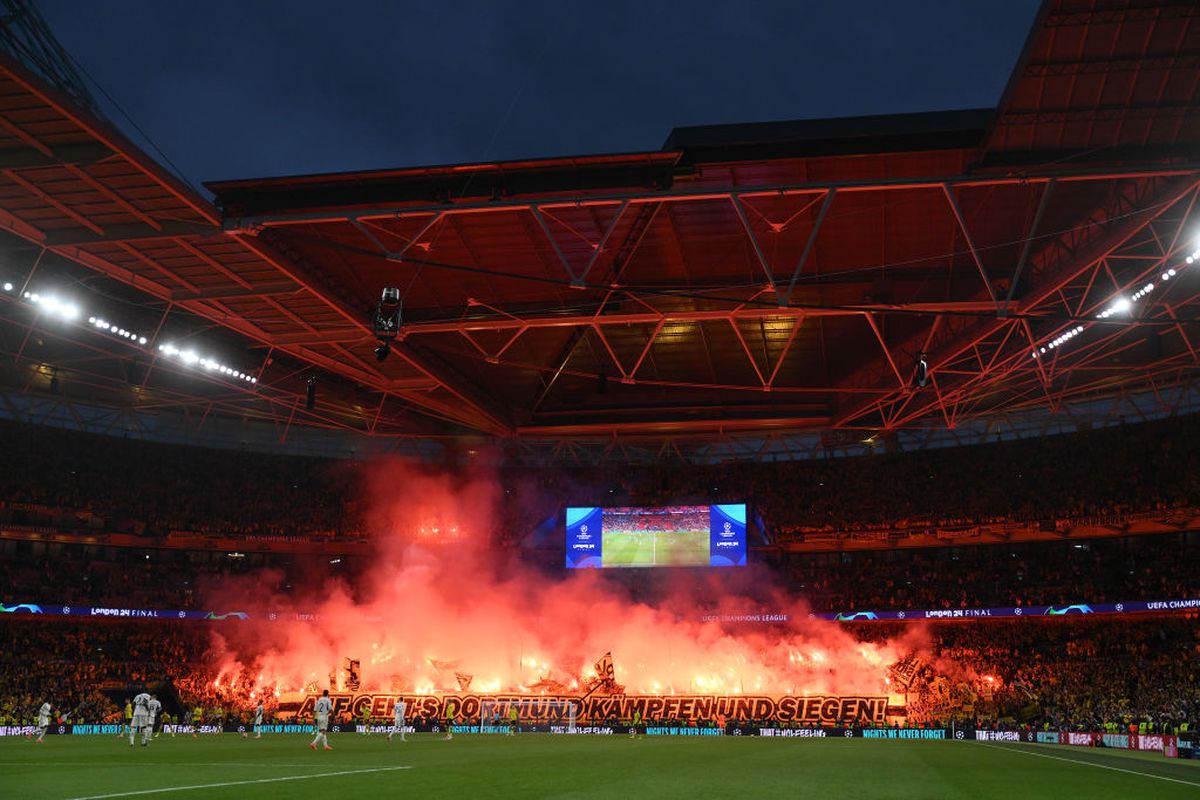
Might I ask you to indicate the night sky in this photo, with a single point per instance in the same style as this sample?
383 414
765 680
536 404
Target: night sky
255 88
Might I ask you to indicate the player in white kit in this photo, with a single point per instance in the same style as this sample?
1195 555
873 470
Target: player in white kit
153 707
398 719
43 721
322 710
258 721
141 716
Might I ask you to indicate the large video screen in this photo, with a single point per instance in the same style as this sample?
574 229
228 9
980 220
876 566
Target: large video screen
671 536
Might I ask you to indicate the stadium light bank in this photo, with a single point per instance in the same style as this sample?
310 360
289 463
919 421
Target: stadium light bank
1120 305
70 311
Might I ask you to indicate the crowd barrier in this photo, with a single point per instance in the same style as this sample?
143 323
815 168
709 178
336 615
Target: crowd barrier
1171 746
1184 746
747 729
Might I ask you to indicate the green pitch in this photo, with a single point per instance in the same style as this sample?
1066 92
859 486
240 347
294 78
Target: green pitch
682 549
535 766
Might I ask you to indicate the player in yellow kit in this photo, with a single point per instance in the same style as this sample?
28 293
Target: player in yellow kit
128 719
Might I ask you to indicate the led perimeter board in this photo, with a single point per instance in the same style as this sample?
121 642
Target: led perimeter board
670 536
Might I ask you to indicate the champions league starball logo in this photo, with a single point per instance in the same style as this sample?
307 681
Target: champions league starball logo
583 538
727 530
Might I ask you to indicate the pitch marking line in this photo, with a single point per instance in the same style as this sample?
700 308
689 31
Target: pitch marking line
239 783
164 765
1087 764
268 765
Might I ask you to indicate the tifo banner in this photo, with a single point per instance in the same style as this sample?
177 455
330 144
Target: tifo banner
786 709
1076 609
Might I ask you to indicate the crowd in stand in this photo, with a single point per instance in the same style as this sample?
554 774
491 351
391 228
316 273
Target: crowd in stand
125 577
1078 674
1111 470
1162 566
1146 567
87 670
1096 473
71 664
151 488
1070 674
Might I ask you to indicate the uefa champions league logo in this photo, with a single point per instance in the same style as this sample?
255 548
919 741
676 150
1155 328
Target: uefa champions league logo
583 533
727 530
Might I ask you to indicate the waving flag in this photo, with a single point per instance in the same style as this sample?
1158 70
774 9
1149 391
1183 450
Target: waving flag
604 668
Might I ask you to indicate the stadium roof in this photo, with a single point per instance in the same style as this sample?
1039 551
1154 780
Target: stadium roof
749 280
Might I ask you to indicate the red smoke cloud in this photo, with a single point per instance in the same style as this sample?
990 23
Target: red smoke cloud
435 604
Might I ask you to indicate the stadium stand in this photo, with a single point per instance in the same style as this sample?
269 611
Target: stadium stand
1143 567
66 479
1081 674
